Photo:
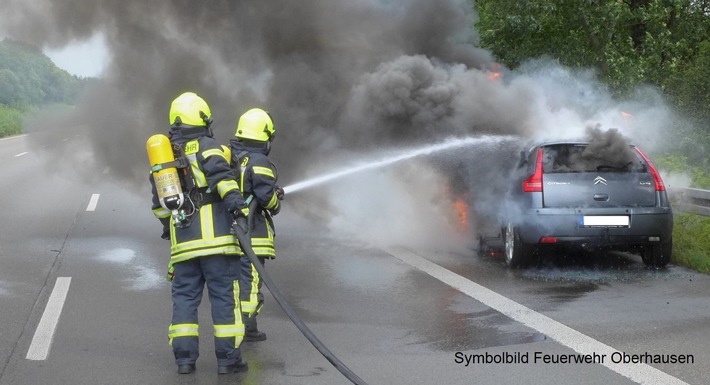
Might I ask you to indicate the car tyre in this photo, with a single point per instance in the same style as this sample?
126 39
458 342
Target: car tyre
658 254
517 253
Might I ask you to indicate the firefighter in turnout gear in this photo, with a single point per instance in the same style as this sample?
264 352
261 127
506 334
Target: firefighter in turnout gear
257 178
202 248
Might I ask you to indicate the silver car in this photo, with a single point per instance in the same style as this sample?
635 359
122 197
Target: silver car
590 196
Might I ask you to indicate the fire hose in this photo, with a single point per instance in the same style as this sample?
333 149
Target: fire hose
241 231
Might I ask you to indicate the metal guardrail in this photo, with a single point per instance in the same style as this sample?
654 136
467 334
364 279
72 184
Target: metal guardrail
691 200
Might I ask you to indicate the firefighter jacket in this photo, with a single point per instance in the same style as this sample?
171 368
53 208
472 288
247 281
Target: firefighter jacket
210 230
257 177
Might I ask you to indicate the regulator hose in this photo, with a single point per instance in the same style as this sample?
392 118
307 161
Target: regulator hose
245 243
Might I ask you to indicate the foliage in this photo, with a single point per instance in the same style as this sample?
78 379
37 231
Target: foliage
28 77
628 42
690 236
678 164
10 121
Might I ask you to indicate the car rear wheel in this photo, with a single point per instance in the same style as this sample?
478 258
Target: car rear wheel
658 254
517 254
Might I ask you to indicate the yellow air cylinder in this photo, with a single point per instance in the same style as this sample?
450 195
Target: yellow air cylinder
227 153
167 181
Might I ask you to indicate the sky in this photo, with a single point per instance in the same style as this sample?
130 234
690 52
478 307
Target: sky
86 58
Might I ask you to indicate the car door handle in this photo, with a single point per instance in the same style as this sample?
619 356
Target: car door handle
601 197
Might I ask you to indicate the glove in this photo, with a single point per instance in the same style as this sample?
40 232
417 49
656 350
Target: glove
279 193
171 274
240 213
240 218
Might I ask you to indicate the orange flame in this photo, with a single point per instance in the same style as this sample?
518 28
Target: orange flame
461 209
494 75
626 115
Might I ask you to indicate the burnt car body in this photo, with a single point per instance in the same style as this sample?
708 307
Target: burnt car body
570 194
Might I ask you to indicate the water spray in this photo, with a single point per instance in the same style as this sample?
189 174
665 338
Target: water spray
448 144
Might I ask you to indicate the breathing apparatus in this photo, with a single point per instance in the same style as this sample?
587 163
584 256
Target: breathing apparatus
164 167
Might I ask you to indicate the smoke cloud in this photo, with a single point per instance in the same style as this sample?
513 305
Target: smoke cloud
342 79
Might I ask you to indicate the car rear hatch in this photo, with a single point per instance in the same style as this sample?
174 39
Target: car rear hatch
574 175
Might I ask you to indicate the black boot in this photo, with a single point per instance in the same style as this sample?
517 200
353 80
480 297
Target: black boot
186 368
251 333
237 367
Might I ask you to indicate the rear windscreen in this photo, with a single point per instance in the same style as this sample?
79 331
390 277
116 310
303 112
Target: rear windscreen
559 158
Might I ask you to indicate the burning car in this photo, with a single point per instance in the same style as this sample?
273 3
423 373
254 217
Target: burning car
587 195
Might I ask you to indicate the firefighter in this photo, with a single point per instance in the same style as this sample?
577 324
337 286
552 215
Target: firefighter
202 247
257 178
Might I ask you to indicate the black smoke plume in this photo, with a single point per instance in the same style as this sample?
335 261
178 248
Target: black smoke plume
340 78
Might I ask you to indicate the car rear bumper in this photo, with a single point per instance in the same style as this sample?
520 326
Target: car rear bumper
563 225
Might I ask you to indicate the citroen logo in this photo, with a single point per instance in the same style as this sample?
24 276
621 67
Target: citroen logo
599 179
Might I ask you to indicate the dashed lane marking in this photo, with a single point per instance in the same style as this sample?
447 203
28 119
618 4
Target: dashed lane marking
93 202
581 343
20 154
42 340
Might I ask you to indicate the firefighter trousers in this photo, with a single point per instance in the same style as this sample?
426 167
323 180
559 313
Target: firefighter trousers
221 275
251 296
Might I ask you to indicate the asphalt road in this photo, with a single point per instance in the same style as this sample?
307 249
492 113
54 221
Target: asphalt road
393 316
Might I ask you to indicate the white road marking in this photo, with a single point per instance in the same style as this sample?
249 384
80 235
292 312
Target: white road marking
42 340
581 343
20 154
93 202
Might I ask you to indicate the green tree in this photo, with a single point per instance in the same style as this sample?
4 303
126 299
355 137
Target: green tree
628 42
27 76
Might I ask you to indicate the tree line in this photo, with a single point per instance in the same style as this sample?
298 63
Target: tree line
28 77
629 43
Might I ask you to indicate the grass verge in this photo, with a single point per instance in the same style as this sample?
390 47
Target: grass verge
10 121
691 234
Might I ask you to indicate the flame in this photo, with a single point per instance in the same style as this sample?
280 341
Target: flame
626 115
461 210
494 75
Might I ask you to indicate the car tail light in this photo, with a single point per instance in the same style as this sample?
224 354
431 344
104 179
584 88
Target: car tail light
548 240
652 169
533 183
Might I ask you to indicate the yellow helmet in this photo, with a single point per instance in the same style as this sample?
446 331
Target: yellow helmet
255 124
191 110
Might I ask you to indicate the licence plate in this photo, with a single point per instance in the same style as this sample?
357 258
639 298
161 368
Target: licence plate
604 221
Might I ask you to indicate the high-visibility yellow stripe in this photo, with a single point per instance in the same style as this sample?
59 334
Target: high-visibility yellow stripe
206 224
262 241
161 212
226 186
214 152
267 171
223 331
183 330
218 245
249 306
264 251
237 313
200 178
273 202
